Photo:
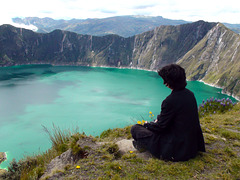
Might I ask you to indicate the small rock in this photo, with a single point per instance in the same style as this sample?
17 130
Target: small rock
125 146
3 157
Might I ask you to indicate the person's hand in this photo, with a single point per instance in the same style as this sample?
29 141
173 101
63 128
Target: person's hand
145 122
156 120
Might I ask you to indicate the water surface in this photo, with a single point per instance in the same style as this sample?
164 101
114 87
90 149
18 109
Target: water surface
94 99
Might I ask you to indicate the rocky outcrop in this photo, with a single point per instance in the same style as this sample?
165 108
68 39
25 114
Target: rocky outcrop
58 164
55 169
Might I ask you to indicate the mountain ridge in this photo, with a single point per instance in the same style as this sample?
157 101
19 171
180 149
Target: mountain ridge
215 60
125 26
149 50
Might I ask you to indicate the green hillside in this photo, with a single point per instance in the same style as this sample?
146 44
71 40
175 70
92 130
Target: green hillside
216 60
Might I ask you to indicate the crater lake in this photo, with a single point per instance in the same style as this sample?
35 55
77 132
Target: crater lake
93 99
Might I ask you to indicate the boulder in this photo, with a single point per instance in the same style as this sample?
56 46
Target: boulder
126 146
56 166
58 163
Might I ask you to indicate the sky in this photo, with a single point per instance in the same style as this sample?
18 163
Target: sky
190 10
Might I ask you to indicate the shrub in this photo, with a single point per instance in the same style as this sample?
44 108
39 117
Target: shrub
212 106
105 133
77 150
111 148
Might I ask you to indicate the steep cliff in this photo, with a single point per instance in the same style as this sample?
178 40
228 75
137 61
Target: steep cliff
216 60
21 46
208 51
166 44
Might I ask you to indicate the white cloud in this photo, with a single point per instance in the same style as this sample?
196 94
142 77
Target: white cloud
208 10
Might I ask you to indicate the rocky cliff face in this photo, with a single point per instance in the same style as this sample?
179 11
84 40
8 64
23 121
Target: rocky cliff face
216 60
208 51
21 46
150 50
166 44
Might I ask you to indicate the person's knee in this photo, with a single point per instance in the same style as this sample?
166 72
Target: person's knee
133 129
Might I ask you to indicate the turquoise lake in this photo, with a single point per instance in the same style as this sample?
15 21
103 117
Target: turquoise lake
92 98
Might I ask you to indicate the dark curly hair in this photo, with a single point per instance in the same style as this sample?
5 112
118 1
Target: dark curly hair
173 76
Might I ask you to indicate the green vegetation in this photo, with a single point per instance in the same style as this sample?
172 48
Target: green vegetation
103 160
213 106
59 138
212 61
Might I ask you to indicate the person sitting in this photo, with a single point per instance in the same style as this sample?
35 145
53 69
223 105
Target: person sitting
176 134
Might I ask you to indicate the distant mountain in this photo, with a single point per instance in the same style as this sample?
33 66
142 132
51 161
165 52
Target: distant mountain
233 27
124 26
208 51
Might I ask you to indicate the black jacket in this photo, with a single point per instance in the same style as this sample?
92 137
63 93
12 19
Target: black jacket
177 134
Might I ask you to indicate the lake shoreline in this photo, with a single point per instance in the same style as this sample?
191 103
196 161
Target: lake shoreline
212 85
62 83
120 67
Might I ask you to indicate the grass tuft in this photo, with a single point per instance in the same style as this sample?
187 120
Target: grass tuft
59 138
